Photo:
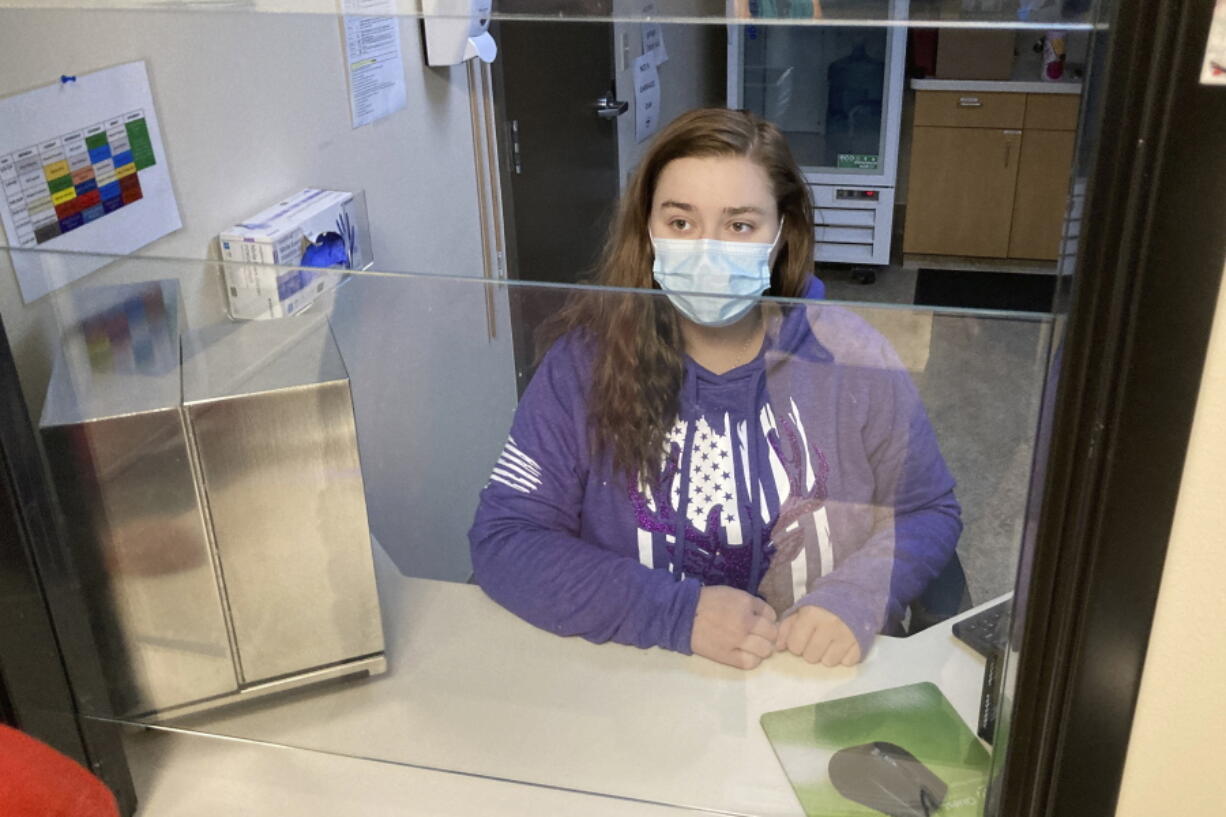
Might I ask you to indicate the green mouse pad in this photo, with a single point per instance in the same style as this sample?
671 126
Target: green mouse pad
904 752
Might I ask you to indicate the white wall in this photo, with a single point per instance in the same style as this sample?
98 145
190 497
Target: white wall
253 106
1174 764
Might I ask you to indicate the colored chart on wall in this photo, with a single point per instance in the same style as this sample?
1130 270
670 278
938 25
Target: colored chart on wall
71 180
82 170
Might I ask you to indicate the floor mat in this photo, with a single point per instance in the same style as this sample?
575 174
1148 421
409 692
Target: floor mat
968 289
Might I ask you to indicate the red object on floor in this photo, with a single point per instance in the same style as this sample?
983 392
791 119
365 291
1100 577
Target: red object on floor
38 781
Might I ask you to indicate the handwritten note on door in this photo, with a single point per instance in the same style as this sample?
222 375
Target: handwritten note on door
646 97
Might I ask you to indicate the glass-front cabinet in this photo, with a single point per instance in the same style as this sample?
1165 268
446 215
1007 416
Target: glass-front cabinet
836 93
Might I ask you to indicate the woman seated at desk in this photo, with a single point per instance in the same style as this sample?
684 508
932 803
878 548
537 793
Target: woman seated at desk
713 474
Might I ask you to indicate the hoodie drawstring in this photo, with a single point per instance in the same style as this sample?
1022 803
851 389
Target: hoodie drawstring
754 487
755 490
690 391
750 504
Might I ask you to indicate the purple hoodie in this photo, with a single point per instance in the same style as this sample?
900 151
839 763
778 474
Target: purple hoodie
811 474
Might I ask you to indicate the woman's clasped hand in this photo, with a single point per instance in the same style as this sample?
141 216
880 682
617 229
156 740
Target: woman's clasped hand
734 628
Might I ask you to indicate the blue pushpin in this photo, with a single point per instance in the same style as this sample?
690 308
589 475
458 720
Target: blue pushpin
66 78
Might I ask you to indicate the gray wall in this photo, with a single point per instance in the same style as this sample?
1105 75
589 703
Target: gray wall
253 107
693 77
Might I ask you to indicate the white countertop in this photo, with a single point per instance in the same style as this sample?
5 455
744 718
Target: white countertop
998 86
180 775
473 689
1025 79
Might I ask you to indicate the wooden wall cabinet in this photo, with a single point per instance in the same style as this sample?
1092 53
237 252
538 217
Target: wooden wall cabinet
989 174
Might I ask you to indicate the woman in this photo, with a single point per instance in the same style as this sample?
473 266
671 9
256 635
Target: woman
701 472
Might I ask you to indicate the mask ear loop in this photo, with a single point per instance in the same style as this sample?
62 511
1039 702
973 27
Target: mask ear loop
778 233
772 255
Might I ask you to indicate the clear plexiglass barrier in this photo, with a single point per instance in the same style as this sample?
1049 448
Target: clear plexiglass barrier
346 531
957 13
638 400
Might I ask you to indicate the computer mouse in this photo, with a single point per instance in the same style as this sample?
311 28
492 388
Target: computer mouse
888 778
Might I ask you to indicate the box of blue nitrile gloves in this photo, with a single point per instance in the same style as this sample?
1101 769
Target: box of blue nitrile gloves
283 258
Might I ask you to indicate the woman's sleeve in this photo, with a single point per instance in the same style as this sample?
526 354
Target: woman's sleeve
526 550
917 519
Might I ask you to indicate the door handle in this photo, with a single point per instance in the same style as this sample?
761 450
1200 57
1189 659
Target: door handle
969 102
1011 138
609 108
517 159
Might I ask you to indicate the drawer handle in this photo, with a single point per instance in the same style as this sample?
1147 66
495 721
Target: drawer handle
969 102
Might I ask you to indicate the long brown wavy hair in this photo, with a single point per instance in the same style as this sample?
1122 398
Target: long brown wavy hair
639 363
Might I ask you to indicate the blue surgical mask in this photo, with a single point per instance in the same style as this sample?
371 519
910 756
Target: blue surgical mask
689 269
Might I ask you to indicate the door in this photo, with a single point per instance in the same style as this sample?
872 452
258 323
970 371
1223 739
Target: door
1042 184
560 168
962 187
565 153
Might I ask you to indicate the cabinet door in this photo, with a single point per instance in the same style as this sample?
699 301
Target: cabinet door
1042 194
960 191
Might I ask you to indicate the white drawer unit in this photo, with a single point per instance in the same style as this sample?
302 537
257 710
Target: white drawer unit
852 224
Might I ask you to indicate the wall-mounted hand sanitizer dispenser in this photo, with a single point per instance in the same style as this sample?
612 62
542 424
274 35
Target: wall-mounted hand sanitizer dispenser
457 31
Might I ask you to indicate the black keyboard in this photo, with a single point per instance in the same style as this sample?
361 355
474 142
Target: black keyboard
987 631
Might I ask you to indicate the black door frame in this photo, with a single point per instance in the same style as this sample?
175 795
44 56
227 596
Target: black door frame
37 694
1147 278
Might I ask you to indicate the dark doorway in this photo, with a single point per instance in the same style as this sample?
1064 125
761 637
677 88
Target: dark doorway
560 162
